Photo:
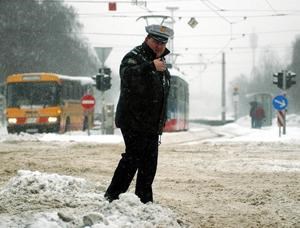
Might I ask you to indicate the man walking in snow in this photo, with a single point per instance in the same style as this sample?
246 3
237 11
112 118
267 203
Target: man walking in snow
141 113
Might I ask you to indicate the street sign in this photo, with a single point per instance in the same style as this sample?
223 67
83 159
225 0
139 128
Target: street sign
280 118
280 102
88 101
102 53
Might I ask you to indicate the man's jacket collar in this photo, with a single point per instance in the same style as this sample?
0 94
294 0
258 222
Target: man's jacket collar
149 51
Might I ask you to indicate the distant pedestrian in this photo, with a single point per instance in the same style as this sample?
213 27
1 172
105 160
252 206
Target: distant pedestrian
141 113
253 105
259 116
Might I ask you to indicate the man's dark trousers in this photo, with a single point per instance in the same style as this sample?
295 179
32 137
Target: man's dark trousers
140 155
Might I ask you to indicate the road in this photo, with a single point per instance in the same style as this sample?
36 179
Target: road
208 184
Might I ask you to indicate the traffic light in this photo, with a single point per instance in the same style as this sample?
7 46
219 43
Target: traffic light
105 70
290 79
278 79
107 82
103 82
103 79
100 82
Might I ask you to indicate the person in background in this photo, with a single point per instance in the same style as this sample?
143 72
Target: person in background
253 105
141 113
259 116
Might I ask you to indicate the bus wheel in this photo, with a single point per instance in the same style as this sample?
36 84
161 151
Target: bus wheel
67 126
10 131
85 124
56 129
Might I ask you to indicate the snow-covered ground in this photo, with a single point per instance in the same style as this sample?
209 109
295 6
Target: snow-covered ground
91 210
240 131
87 207
243 133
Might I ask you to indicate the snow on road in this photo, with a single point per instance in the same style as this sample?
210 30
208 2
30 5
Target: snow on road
41 199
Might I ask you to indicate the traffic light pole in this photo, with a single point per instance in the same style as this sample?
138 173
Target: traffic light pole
235 96
284 80
89 123
103 112
284 87
223 89
103 83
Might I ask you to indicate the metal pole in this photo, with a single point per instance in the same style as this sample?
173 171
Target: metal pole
223 89
235 110
171 42
102 104
236 101
284 115
279 131
103 113
89 122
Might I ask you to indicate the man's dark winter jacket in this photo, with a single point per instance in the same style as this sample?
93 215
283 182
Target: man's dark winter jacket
143 99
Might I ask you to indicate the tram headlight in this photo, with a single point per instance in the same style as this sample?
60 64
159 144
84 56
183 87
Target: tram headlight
12 120
52 119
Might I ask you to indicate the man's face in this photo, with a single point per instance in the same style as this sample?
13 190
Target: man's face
157 47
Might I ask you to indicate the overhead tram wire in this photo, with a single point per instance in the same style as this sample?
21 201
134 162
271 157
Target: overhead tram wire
159 2
269 4
215 11
124 15
209 4
226 45
179 36
187 36
117 1
214 5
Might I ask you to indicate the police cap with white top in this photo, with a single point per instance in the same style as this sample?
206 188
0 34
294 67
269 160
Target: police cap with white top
159 32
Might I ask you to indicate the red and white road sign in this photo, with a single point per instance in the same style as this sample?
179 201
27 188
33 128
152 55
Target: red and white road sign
88 101
280 118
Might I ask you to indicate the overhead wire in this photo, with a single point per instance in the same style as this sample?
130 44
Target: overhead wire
185 36
269 4
215 6
212 7
183 16
215 11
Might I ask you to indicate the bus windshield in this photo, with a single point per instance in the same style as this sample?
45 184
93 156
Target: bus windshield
32 94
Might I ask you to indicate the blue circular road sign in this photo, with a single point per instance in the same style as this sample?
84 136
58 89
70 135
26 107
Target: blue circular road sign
280 102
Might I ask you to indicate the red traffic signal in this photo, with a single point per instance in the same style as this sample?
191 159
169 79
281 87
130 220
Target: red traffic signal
112 6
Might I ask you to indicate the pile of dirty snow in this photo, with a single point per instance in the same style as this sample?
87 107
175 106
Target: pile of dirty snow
34 199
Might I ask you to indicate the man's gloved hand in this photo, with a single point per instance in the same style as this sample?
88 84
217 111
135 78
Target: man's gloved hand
159 64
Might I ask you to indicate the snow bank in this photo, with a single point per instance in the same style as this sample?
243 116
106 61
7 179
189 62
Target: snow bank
34 199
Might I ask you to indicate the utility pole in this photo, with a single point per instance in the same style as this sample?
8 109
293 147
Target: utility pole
284 91
236 102
253 45
223 89
284 80
171 42
102 54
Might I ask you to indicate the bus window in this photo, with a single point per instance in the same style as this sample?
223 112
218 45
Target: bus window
28 94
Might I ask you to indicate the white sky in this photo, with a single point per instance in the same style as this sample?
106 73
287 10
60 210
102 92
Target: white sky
223 26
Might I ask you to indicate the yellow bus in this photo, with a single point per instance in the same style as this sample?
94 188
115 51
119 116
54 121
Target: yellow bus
47 102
